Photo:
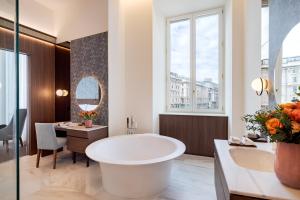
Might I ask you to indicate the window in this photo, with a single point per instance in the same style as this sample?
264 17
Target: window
265 51
7 85
295 89
195 62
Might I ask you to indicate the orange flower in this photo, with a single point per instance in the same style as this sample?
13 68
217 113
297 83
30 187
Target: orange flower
297 105
288 105
295 127
288 111
272 125
295 115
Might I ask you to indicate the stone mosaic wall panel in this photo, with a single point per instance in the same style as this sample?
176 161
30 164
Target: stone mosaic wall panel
89 57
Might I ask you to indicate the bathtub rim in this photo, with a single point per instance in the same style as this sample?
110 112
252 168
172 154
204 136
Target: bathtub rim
179 150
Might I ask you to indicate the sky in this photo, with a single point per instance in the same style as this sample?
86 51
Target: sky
207 45
207 49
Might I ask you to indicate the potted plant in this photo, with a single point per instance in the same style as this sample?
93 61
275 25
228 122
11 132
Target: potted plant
88 117
282 125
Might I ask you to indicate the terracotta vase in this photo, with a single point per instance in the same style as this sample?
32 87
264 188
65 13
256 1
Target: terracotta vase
287 164
88 123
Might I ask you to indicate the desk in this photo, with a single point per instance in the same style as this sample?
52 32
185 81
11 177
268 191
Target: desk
79 137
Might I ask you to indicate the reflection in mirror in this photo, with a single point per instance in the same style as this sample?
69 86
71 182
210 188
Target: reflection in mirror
287 69
88 93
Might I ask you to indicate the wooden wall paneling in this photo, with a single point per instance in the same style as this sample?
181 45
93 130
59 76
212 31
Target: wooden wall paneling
205 130
6 39
41 71
41 83
62 81
196 132
177 127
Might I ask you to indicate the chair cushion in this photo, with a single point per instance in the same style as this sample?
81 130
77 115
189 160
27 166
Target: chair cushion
61 141
2 126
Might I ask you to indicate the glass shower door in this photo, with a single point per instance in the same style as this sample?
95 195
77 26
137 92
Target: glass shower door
9 103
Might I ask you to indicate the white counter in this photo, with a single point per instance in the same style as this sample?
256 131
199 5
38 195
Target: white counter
247 182
74 126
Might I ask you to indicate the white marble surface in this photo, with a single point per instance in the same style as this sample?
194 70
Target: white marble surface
76 127
192 179
250 182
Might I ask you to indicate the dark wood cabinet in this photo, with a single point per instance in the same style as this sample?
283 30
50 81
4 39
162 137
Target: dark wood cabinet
77 141
196 132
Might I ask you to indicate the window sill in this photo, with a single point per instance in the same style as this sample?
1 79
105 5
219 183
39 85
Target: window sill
195 114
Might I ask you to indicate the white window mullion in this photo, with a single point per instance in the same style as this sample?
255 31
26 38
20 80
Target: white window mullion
221 62
193 63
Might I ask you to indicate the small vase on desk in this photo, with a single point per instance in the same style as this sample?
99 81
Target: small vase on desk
88 123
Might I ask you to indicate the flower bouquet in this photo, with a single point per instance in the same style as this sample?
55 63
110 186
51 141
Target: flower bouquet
282 125
88 117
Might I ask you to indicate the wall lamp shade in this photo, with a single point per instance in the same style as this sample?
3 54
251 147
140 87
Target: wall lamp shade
259 85
62 93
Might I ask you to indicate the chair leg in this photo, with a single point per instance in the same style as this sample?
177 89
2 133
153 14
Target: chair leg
87 161
54 158
74 157
21 142
38 156
7 146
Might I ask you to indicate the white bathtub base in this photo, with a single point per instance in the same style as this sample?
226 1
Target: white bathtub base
135 166
136 181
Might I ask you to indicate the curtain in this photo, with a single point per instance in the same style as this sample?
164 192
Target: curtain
23 89
8 86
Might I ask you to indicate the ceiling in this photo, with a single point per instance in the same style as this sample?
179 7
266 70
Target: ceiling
177 7
55 5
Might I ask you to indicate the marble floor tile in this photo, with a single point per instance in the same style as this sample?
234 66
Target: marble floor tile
10 154
192 179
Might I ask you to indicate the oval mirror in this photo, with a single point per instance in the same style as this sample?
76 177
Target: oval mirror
88 93
287 69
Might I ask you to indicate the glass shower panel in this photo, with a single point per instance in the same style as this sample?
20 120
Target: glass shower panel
9 144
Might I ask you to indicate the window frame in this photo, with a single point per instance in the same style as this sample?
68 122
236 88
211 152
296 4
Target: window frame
192 17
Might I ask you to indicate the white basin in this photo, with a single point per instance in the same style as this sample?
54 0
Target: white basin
253 159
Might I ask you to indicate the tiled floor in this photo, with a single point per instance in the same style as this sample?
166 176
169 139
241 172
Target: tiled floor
192 179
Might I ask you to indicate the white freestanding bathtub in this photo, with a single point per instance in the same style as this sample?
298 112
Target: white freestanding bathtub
135 166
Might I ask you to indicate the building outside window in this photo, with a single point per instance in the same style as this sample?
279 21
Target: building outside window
195 62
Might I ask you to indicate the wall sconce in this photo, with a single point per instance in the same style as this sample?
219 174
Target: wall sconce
259 85
62 93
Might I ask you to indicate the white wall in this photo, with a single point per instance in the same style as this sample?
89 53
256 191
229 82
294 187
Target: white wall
242 60
237 67
234 65
252 53
116 69
32 14
67 20
228 63
171 8
159 65
130 69
81 19
138 58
